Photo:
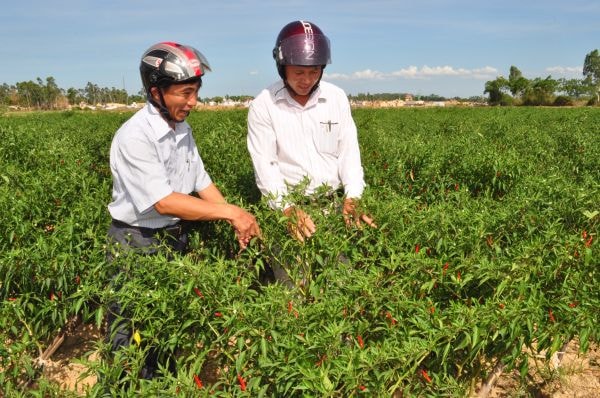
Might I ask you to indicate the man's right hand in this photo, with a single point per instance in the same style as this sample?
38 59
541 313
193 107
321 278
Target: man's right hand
300 225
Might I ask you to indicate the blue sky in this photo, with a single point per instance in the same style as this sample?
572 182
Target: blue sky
443 47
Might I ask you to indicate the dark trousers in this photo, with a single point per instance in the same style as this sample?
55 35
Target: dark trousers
128 240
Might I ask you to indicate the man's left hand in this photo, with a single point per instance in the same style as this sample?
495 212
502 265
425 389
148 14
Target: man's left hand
354 218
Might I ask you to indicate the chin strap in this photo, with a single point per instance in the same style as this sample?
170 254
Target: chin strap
162 109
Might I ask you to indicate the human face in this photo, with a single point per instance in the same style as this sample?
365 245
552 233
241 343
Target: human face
302 78
179 99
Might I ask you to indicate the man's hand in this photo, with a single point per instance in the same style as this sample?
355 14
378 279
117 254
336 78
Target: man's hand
300 225
352 217
244 225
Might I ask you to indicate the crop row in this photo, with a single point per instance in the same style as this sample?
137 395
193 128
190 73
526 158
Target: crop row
487 245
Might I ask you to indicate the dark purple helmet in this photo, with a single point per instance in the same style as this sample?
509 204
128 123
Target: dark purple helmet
301 43
168 63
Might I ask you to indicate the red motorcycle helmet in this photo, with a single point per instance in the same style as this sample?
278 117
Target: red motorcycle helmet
301 43
169 63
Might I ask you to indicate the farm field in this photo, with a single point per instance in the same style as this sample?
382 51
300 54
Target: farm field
486 258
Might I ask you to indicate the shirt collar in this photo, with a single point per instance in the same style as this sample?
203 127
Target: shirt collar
159 126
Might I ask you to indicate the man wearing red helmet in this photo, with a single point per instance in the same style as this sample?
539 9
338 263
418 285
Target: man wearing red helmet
155 165
154 160
301 129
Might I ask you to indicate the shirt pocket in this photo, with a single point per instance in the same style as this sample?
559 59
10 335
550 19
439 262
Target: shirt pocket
326 137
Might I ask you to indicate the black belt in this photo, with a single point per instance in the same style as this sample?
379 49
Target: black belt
175 230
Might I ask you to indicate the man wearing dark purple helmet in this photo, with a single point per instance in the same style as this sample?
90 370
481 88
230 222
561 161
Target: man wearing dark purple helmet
301 129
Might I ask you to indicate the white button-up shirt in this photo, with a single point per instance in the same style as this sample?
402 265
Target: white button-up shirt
288 142
149 161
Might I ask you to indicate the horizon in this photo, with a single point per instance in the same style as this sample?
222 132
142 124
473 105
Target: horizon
432 47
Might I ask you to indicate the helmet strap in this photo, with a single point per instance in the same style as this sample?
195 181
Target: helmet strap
162 108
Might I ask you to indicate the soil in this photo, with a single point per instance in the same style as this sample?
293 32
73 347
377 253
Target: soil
569 374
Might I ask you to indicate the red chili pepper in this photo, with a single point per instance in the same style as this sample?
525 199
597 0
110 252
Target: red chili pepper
12 299
501 305
198 292
389 316
551 316
417 248
573 304
432 309
242 383
361 343
362 388
218 314
290 307
425 375
588 242
445 268
321 360
77 280
198 381
458 275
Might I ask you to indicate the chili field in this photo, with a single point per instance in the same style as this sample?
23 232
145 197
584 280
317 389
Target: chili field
486 249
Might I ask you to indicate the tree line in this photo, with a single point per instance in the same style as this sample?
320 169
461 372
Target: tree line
46 95
518 90
40 94
514 90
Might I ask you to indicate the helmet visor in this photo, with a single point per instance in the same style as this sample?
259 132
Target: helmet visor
304 50
183 65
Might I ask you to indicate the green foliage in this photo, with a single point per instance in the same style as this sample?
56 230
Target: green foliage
562 100
591 71
487 244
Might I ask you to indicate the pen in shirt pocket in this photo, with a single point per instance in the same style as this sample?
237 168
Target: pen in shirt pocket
329 123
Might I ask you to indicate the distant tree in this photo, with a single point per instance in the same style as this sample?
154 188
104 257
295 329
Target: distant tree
591 71
92 93
575 88
139 98
540 91
477 99
5 94
30 94
433 97
74 96
52 93
496 89
516 82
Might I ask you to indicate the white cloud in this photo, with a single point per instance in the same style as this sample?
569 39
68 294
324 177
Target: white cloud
253 72
413 72
565 70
